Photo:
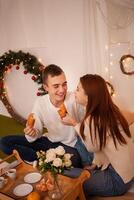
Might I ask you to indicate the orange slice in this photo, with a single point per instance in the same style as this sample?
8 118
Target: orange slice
62 111
31 120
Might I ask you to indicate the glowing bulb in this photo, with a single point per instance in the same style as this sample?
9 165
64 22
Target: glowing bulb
111 63
106 47
119 43
106 69
113 95
111 54
39 59
111 77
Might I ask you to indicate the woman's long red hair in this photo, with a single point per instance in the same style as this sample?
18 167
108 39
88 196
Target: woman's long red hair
105 116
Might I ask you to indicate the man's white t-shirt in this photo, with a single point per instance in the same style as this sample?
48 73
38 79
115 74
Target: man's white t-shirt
46 115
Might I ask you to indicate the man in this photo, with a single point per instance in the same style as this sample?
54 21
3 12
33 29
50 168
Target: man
46 115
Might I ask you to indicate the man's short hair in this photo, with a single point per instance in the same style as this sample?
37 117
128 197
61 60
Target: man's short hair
52 70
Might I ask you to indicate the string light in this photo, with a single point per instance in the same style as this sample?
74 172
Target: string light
123 61
106 47
106 69
39 59
111 63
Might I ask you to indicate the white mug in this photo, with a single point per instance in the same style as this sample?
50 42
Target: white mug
3 181
11 173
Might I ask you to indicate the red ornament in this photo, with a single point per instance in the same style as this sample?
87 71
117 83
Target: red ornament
10 66
17 67
25 72
6 69
33 78
38 93
1 84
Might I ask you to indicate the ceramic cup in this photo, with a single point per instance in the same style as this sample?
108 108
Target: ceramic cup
11 173
3 181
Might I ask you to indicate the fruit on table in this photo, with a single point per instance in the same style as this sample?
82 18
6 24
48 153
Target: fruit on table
49 184
33 196
45 185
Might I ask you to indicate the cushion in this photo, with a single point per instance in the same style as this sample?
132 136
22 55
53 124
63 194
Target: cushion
9 126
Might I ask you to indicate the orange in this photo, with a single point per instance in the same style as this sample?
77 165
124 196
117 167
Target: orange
31 120
33 196
62 111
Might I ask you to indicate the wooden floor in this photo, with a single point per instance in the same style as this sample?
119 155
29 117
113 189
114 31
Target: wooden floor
127 196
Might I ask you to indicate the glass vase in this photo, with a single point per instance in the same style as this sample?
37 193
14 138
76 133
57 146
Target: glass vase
56 193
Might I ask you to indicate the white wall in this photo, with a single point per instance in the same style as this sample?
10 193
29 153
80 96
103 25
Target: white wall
53 30
62 44
123 43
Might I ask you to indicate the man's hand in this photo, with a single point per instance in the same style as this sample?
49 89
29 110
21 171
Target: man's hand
30 131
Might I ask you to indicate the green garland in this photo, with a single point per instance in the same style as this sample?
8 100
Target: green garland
31 65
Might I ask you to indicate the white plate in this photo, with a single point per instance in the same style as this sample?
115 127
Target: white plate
22 189
32 177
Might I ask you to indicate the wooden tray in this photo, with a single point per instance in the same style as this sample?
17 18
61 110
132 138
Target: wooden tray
71 187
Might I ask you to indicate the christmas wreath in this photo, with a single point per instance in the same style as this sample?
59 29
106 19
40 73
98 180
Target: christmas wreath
31 65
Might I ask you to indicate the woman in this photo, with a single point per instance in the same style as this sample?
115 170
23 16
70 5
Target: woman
104 131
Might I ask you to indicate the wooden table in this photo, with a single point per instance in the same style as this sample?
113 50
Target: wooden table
72 187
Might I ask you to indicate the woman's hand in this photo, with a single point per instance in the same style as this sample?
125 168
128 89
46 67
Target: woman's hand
69 120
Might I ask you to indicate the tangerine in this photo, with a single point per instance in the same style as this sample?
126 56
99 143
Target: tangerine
33 196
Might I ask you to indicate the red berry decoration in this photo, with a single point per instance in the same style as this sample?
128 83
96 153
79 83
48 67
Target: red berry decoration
1 84
10 66
33 78
6 68
17 67
25 72
38 93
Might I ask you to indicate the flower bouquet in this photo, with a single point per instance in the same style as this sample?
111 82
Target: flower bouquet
54 160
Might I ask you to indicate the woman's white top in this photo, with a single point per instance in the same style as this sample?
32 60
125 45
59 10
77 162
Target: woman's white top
122 158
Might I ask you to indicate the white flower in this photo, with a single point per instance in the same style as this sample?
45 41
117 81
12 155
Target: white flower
67 163
57 162
35 162
60 151
56 158
40 163
42 152
67 156
38 154
50 155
